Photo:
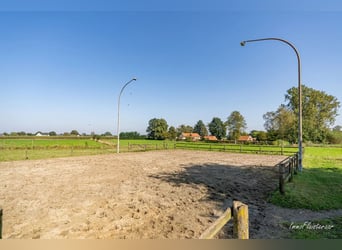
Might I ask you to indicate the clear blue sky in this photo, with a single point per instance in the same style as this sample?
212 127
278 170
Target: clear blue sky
63 70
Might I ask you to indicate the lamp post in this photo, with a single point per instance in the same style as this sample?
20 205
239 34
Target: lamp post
300 129
118 125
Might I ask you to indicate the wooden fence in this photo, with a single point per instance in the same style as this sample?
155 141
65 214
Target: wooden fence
235 148
146 147
239 213
287 168
0 223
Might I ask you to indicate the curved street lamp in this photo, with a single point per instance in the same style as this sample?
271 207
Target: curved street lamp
300 130
118 125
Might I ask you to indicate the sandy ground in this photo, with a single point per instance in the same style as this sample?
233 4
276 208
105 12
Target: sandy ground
161 194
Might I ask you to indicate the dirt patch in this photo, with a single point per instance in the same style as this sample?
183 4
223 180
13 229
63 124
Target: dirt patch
162 194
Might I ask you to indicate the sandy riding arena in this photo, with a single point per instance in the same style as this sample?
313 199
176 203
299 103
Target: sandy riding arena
158 194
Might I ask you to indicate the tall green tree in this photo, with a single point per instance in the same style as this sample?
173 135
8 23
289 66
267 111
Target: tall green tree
319 112
172 133
218 128
200 128
52 133
259 135
184 129
281 124
157 129
74 132
236 125
108 133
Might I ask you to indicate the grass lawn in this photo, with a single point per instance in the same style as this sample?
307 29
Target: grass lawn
41 148
52 143
319 186
21 149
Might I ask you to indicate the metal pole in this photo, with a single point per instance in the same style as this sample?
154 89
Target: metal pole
118 124
300 126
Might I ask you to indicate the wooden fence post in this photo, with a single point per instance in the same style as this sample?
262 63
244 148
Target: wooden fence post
282 148
281 179
240 216
291 169
296 163
0 223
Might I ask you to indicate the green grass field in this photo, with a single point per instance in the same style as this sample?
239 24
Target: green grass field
52 143
41 148
319 186
22 149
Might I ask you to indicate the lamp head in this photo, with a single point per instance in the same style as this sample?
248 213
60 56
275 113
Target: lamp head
243 43
134 79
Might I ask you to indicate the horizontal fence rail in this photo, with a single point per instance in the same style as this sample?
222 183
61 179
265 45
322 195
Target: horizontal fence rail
287 168
239 213
237 148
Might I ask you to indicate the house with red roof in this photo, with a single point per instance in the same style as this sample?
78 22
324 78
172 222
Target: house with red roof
190 136
246 138
210 138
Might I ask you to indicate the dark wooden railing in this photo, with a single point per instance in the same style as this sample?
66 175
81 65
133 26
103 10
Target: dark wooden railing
287 168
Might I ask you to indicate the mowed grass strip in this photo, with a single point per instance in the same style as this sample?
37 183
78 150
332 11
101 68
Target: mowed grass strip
319 186
31 143
29 149
17 155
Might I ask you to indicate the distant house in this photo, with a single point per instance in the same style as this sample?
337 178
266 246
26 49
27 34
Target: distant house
41 134
190 136
246 138
210 138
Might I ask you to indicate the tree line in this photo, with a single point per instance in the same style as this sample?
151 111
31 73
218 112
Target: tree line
73 132
235 124
319 114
